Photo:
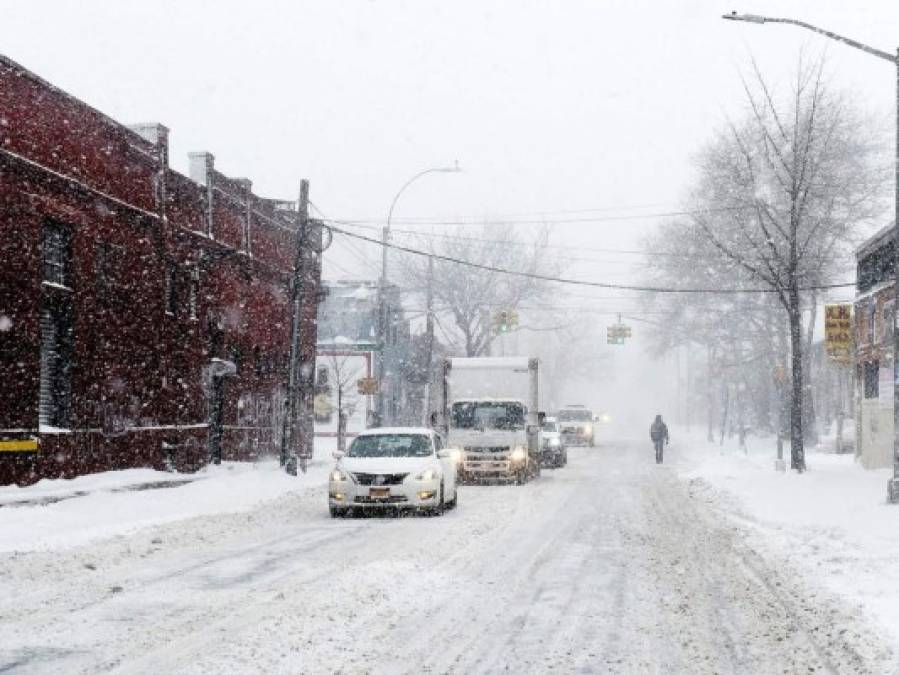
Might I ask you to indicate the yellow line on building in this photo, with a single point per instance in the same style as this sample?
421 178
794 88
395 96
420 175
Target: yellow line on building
29 445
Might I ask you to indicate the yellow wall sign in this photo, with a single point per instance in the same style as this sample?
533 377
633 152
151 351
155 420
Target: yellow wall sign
838 331
24 445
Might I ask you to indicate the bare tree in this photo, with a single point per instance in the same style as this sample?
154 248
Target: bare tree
776 202
346 372
466 298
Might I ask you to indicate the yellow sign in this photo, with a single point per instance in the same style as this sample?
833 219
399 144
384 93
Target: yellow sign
838 331
367 386
25 445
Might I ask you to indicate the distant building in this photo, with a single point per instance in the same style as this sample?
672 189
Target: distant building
121 283
348 341
874 321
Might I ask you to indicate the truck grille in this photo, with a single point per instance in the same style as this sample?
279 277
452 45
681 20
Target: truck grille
498 448
380 478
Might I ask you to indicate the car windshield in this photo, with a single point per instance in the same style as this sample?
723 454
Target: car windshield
550 426
575 416
391 445
488 415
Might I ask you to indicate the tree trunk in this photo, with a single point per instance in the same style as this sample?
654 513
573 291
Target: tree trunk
809 421
839 409
711 397
725 408
341 420
797 450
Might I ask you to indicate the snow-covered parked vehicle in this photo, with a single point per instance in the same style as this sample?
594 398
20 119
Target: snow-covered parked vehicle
396 467
576 422
553 453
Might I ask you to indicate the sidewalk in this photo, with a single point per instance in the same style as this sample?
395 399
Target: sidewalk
53 514
49 491
832 521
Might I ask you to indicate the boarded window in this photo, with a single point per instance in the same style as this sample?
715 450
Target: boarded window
171 289
56 362
193 293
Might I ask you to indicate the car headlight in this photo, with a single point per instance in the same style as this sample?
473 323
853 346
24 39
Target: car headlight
553 442
518 454
457 455
588 429
428 474
338 476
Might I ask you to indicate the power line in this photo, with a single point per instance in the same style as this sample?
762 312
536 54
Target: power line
573 282
644 252
540 221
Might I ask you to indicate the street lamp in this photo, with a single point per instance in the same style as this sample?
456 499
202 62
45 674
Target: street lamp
382 285
893 483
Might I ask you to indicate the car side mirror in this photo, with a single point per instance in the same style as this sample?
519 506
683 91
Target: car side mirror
338 454
444 453
596 418
541 418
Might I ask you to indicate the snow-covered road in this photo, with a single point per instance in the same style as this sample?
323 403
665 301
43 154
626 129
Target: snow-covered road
609 565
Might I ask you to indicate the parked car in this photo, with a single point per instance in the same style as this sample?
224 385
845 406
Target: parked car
553 453
577 425
399 468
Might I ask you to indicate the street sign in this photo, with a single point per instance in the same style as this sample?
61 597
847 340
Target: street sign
367 386
838 332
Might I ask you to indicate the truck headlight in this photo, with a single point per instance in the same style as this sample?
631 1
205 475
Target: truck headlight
519 454
338 476
553 442
428 474
587 429
457 455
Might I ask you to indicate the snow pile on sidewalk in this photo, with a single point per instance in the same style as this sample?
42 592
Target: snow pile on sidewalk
832 521
60 513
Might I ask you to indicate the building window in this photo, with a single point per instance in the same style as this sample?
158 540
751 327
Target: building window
57 254
107 262
171 290
872 374
872 322
888 320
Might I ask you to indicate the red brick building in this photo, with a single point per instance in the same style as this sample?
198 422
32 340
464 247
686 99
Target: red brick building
120 281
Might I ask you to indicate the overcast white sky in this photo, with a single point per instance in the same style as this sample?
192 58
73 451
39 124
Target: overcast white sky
548 106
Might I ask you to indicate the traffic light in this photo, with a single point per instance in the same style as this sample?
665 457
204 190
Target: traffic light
617 333
505 320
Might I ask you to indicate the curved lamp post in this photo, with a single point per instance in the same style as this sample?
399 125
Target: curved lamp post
382 286
893 483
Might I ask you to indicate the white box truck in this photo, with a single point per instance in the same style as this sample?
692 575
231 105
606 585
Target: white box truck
490 414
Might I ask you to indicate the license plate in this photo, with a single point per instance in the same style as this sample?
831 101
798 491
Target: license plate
379 493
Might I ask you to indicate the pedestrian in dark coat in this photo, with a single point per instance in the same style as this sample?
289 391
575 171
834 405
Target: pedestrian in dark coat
658 432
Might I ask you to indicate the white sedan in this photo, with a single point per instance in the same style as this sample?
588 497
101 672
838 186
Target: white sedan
400 467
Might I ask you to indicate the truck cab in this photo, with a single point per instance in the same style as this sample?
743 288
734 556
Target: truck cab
491 417
577 425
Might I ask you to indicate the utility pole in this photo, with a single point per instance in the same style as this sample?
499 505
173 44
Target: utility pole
383 329
289 430
429 341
